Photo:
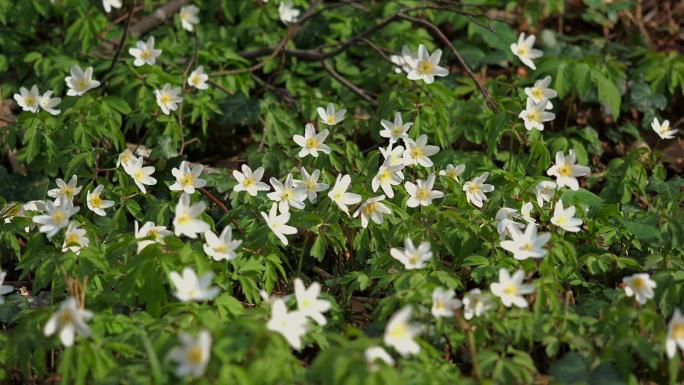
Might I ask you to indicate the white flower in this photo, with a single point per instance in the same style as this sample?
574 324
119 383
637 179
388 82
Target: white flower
640 286
198 79
524 51
65 190
48 103
566 171
675 334
68 320
528 244
394 157
534 115
663 130
189 287
193 355
310 185
425 66
187 222
511 289
504 219
476 303
96 204
340 196
80 82
401 61
144 53
188 17
149 229
74 239
312 142
187 179
291 325
545 191
56 217
250 181
125 157
372 209
565 218
395 130
476 188
374 353
329 116
141 175
222 246
28 100
4 289
168 98
526 212
412 257
541 91
287 194
308 302
421 193
400 333
387 177
453 172
109 4
288 13
278 223
418 151
444 302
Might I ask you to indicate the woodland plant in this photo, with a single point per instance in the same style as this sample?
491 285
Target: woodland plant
324 192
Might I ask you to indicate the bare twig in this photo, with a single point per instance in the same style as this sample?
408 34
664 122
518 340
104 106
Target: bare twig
345 82
122 42
158 17
490 102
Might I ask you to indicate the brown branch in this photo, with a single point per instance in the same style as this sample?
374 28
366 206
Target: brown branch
157 18
490 102
223 207
122 42
345 82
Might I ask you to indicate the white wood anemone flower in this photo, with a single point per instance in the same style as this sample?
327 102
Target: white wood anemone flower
444 302
287 194
142 176
375 353
476 304
528 244
198 79
372 209
675 334
74 239
412 257
221 247
168 98
453 172
95 202
64 190
250 181
425 66
566 171
330 116
189 17
421 193
311 142
144 53
510 289
400 333
418 151
476 188
310 185
540 91
149 230
187 219
308 302
640 286
288 14
387 177
187 178
663 129
109 4
278 223
395 130
292 325
565 219
29 101
340 196
80 82
524 50
56 217
535 115
190 287
69 321
193 355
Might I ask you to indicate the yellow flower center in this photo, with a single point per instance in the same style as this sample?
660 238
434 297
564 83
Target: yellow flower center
416 152
398 331
58 217
678 331
338 195
194 355
145 54
310 186
561 219
522 51
287 194
306 303
510 289
527 247
166 99
473 188
396 131
69 192
422 194
30 100
565 170
72 238
65 318
139 175
533 116
638 283
537 93
385 175
184 219
248 182
221 249
370 208
187 180
95 201
81 84
425 67
413 259
195 80
311 143
330 119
